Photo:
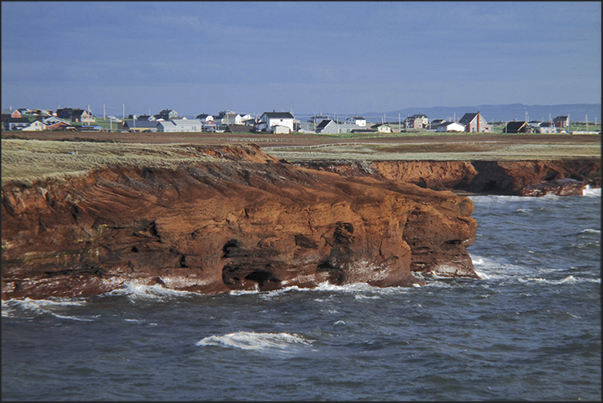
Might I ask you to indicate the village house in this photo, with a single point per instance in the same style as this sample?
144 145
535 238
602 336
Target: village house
204 117
475 123
356 120
76 115
561 121
9 113
382 128
269 120
35 126
232 119
82 116
16 123
517 127
166 114
180 125
56 123
417 121
449 127
327 126
433 124
136 125
547 128
50 120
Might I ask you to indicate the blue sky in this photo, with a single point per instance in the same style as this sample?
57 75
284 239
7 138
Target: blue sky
305 57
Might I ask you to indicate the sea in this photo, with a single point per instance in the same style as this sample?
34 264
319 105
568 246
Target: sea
529 329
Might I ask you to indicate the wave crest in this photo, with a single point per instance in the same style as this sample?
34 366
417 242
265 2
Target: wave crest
256 341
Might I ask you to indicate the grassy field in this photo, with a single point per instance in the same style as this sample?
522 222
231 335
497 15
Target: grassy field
27 156
26 160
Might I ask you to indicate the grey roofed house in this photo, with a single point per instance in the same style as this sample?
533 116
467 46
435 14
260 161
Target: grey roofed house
516 127
278 115
180 125
140 125
50 120
327 126
166 114
16 123
475 122
467 118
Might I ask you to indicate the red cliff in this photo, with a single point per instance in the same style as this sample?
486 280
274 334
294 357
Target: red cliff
245 221
526 178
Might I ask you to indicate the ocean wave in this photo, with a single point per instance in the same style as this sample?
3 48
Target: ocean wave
257 341
566 280
21 307
495 270
136 291
353 288
591 192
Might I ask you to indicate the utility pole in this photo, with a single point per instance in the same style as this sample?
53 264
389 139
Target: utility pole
124 105
104 114
586 119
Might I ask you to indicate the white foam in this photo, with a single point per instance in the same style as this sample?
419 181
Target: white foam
42 306
567 280
361 296
353 288
591 192
256 341
137 291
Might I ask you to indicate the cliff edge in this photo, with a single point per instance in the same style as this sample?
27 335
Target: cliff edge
523 178
242 222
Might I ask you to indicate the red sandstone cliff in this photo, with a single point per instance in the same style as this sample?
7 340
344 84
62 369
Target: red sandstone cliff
246 221
527 178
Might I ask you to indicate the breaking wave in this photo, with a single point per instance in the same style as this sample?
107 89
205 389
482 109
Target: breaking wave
140 292
591 192
257 341
27 307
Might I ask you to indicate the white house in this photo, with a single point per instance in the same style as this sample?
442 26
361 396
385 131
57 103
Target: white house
356 120
382 128
51 120
450 127
35 126
329 126
269 119
278 129
232 119
180 125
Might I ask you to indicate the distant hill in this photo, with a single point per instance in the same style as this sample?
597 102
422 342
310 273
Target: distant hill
494 113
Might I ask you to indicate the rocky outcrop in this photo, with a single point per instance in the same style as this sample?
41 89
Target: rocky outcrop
245 221
559 187
489 177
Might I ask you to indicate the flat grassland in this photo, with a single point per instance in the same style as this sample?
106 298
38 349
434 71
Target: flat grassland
25 157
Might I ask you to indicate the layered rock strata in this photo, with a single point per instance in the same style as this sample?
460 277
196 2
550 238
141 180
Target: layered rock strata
243 222
490 177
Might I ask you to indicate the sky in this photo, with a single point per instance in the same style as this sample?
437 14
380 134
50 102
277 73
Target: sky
302 57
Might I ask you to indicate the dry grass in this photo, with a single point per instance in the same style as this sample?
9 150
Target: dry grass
493 150
26 160
35 155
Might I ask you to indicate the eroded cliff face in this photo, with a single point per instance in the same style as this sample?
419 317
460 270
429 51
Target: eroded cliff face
526 178
255 223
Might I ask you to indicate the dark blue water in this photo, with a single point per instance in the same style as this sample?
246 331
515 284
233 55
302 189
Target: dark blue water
529 330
